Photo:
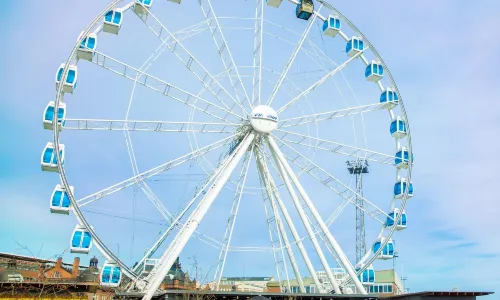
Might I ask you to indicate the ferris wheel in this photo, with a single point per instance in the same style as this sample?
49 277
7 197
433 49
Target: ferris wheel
253 100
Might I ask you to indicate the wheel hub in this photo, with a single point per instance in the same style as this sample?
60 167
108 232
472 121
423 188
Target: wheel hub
264 119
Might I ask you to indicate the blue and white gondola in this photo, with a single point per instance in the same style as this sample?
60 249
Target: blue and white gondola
88 45
331 26
49 159
367 277
141 6
48 115
402 158
354 46
393 215
387 252
113 21
389 99
59 201
69 83
374 71
81 240
400 188
398 128
111 274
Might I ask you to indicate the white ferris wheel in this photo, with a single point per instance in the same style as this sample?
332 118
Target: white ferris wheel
259 104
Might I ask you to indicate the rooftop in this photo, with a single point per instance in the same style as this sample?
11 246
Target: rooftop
247 278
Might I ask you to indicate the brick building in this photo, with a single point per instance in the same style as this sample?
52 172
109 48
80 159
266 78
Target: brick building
19 268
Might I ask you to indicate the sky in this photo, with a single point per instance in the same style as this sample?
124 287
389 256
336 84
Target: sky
441 54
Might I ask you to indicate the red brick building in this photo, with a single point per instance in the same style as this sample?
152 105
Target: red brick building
15 267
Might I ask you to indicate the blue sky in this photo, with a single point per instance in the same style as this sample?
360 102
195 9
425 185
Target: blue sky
442 55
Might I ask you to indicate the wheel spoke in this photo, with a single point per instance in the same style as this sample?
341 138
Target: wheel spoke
165 88
330 181
291 60
334 147
257 51
223 49
324 116
152 172
189 61
319 82
307 52
156 126
232 218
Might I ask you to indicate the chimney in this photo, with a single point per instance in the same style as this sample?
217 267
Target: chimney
59 263
76 265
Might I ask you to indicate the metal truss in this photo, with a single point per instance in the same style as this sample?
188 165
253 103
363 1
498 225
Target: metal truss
152 172
190 62
165 88
291 60
330 181
223 49
319 82
257 51
334 147
324 116
156 126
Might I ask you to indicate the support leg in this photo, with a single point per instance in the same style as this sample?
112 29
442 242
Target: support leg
183 236
303 217
336 247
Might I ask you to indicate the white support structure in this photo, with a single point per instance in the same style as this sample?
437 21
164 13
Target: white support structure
232 219
160 271
176 221
310 232
257 51
324 116
334 147
162 87
188 59
223 50
269 196
291 60
152 172
293 230
318 83
283 163
276 240
155 126
338 187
